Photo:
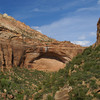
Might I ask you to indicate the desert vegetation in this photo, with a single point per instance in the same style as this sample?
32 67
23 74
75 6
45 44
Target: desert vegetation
82 74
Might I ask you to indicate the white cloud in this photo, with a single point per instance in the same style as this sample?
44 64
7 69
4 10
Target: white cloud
36 28
71 29
36 10
82 37
82 43
46 10
39 31
93 34
39 10
55 7
98 2
79 27
87 9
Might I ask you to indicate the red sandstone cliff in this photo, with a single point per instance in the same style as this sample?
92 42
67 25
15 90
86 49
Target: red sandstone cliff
22 46
98 32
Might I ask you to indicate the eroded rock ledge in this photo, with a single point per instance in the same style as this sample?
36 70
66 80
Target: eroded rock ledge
24 47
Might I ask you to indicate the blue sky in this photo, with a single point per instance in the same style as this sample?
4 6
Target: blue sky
70 20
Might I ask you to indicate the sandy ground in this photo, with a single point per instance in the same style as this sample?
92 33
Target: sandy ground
47 64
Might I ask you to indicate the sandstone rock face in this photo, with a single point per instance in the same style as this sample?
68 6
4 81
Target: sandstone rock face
62 94
24 47
98 32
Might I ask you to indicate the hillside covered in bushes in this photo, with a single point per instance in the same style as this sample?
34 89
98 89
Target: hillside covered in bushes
82 74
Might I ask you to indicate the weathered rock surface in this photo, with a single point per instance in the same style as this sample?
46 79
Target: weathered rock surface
98 32
22 46
63 93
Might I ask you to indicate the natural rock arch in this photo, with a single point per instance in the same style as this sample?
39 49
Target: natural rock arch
50 55
48 61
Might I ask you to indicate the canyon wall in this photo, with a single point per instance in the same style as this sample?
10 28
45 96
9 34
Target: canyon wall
25 47
98 32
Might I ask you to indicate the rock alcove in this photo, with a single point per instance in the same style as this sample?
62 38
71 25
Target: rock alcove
48 61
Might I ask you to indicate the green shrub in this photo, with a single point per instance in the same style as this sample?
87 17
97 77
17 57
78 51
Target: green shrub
49 97
93 84
79 93
97 48
5 83
87 51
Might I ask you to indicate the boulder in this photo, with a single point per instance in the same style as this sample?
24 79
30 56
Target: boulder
63 93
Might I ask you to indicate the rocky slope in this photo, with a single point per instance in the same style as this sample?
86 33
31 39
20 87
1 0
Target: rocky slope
22 46
79 80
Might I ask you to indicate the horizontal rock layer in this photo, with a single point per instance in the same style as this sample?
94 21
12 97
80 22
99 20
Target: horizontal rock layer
24 47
